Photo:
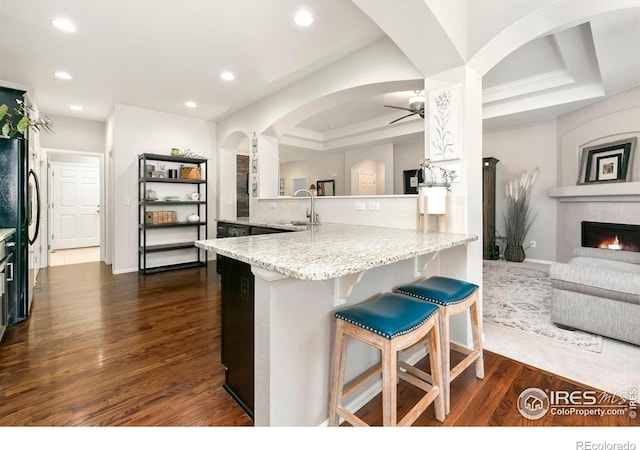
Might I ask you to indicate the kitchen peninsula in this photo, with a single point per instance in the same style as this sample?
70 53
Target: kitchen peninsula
301 278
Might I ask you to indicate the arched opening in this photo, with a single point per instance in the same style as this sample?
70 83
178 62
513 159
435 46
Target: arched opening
234 163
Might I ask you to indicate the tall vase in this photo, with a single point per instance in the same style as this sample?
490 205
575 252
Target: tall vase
514 253
437 199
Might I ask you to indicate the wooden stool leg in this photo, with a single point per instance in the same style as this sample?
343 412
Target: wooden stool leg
435 359
337 379
389 386
446 359
476 332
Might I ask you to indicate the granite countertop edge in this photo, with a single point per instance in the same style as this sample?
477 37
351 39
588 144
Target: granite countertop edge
339 272
247 249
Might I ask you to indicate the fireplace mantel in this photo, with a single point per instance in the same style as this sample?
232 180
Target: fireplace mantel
605 192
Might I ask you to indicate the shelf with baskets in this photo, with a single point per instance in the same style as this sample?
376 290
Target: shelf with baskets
172 212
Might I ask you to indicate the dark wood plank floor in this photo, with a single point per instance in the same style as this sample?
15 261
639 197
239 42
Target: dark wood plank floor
136 350
118 350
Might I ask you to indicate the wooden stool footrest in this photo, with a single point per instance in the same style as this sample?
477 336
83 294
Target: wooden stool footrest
462 365
351 418
419 408
460 348
360 380
415 372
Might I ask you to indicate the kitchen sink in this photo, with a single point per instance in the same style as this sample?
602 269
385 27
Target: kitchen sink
296 223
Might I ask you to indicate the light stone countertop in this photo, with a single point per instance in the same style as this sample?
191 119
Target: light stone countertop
6 232
328 251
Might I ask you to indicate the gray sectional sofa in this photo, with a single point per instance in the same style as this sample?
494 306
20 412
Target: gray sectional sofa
598 291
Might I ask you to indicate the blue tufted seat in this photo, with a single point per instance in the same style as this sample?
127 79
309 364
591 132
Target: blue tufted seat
454 297
391 323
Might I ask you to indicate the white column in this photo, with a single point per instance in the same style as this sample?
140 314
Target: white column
465 215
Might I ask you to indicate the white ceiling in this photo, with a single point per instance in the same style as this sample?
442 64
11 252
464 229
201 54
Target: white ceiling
159 54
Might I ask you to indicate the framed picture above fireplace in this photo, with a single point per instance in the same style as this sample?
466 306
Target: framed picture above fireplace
607 163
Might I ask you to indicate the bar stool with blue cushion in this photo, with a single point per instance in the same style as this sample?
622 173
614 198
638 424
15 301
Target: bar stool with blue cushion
453 297
391 323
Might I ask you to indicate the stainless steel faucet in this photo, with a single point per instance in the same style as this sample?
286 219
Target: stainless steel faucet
314 219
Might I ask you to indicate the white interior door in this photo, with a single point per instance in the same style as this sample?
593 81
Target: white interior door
76 206
366 183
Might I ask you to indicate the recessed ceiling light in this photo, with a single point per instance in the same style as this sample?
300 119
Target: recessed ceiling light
190 104
76 107
64 24
227 76
63 75
303 18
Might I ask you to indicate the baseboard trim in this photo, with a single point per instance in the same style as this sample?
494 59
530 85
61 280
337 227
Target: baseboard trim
539 261
121 271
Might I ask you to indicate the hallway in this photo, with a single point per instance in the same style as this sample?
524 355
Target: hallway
74 256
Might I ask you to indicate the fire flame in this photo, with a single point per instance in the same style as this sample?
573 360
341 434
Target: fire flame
611 244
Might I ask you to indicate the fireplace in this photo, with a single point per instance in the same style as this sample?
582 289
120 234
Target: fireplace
613 236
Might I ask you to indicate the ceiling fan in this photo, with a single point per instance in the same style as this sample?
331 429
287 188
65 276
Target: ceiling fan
416 106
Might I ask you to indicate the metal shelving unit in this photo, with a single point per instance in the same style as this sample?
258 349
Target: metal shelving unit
145 205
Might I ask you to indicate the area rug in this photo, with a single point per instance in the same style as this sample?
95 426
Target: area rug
518 297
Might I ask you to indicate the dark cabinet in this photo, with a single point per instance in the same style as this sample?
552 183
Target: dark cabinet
225 230
237 331
489 247
237 292
264 230
6 291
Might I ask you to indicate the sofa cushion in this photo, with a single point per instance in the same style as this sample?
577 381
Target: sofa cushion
606 264
594 280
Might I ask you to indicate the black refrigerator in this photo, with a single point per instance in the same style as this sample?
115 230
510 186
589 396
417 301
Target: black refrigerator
19 197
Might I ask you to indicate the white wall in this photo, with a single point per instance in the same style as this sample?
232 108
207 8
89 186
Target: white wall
524 147
406 156
380 62
135 131
322 165
71 135
615 118
75 134
609 120
382 153
316 166
227 156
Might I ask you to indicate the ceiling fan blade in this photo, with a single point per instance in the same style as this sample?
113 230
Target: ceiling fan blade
399 107
400 118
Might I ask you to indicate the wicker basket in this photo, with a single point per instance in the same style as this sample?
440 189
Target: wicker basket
161 217
191 173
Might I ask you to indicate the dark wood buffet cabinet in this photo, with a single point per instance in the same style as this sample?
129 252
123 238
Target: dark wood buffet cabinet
489 248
